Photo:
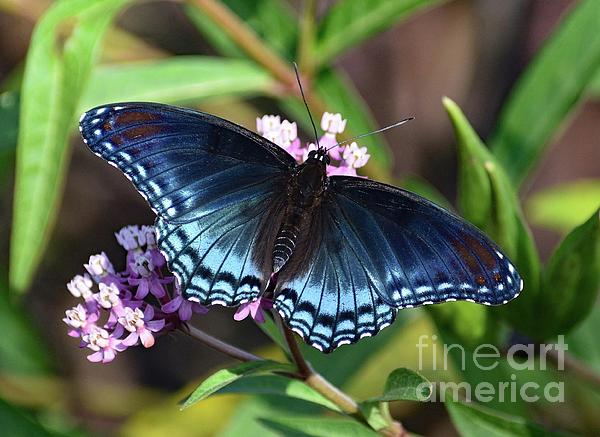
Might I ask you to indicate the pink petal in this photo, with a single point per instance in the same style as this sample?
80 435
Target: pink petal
146 338
156 288
185 311
242 312
173 305
259 317
109 355
156 325
254 308
131 339
96 357
199 309
142 290
149 313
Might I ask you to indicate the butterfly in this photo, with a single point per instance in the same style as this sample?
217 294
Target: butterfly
238 218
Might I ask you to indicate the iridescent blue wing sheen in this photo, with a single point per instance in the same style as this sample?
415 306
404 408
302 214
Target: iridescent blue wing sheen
393 250
210 182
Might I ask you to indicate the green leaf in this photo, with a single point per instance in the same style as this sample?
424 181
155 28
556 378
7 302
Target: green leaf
9 124
564 206
57 68
278 385
548 91
350 22
16 423
225 377
180 79
272 20
405 385
423 188
274 333
317 427
571 280
340 95
583 340
474 421
21 349
487 200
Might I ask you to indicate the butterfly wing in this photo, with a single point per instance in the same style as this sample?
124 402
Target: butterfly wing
389 249
211 183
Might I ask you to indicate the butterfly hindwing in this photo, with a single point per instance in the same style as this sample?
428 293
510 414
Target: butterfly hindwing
211 184
382 249
333 301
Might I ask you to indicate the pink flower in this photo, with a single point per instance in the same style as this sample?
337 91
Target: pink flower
131 238
81 286
355 156
184 308
140 325
332 124
255 309
99 266
148 280
104 345
80 320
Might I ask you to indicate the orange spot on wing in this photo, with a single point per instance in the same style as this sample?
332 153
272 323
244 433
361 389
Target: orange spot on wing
143 131
134 117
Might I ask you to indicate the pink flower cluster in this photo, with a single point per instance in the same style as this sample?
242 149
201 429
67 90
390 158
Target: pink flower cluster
128 308
345 159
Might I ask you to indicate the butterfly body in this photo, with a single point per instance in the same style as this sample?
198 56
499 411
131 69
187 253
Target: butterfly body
305 192
238 217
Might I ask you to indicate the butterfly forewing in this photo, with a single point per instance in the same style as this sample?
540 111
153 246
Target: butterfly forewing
210 182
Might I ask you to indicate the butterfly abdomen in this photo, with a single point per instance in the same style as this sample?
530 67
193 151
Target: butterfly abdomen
305 191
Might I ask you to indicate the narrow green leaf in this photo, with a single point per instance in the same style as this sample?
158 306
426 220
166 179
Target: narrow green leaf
16 423
180 79
225 377
583 340
487 200
9 123
278 385
56 70
564 206
405 385
274 333
317 427
474 421
21 349
340 95
425 189
272 20
548 91
350 22
571 280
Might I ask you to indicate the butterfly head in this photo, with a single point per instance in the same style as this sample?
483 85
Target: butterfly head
319 155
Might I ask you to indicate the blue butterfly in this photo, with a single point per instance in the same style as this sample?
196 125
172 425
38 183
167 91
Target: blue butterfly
238 218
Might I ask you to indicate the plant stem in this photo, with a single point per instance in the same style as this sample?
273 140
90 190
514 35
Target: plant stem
218 345
316 380
572 365
306 39
246 39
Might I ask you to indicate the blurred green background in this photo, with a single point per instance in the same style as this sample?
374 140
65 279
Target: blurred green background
526 74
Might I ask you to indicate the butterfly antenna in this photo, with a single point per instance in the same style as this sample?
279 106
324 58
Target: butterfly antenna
306 105
383 129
